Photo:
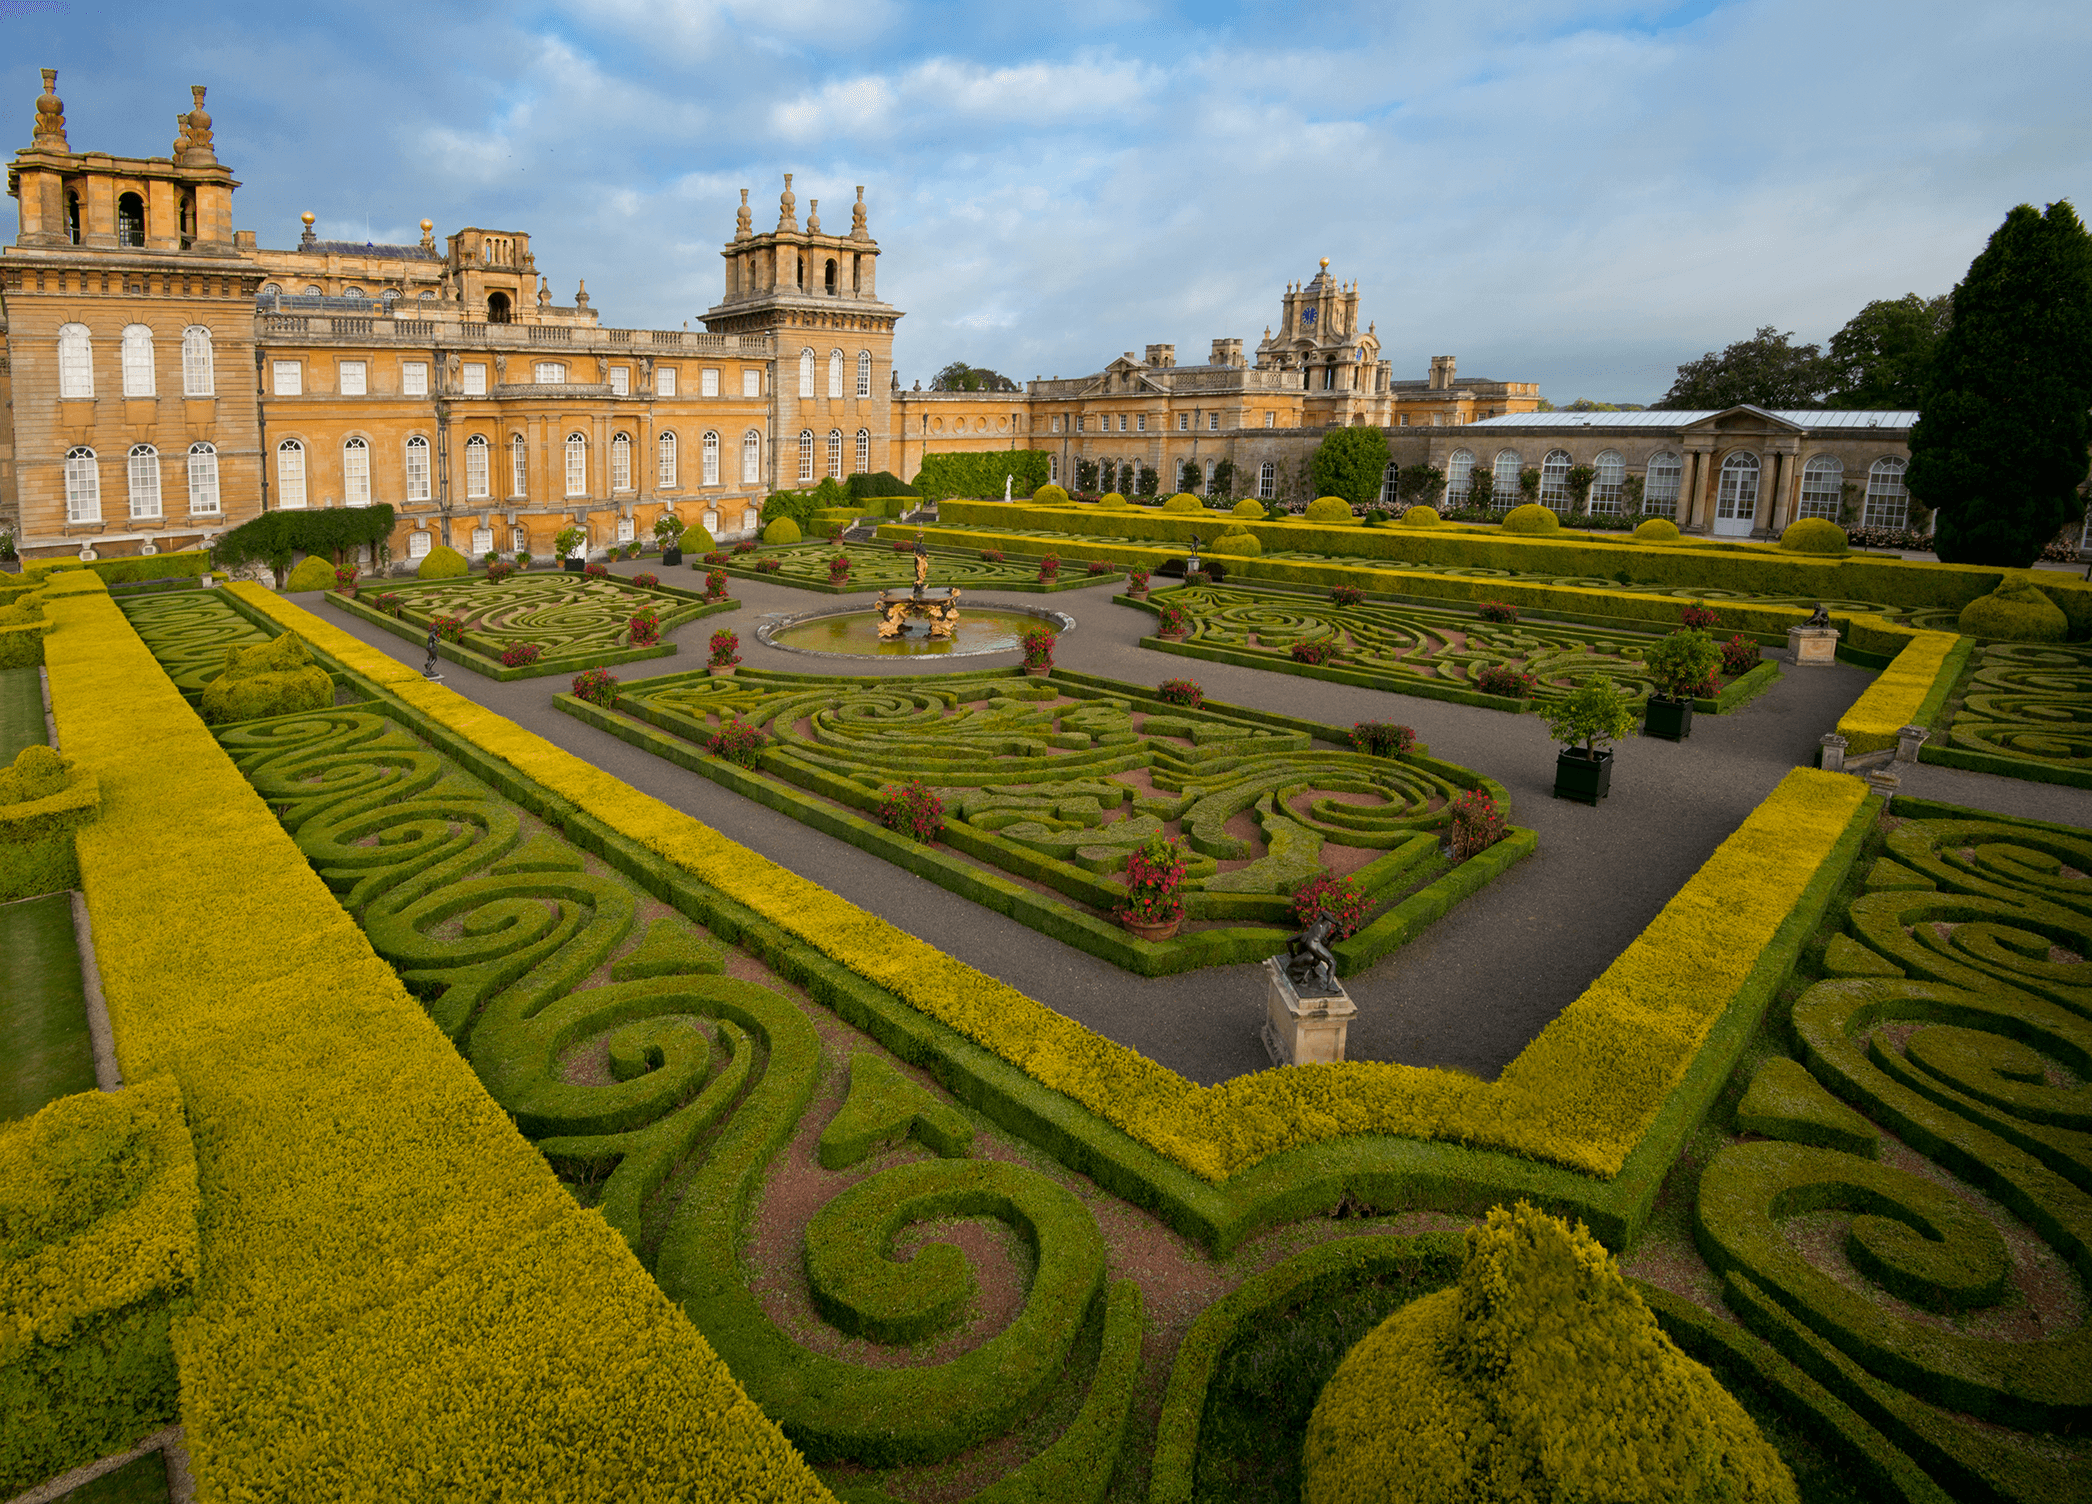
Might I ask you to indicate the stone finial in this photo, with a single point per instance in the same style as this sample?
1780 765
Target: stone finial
581 295
813 216
741 223
179 152
859 229
50 116
544 292
428 234
787 208
200 153
307 240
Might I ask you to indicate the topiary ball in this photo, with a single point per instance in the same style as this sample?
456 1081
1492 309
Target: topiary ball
1241 544
783 530
697 541
1421 517
38 773
1250 511
1183 501
1111 499
312 573
1050 495
1329 509
1540 1375
276 677
443 563
1657 530
2015 612
1531 518
1815 535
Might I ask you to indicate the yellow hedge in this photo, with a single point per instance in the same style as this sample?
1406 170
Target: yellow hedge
397 1299
1895 699
1580 1095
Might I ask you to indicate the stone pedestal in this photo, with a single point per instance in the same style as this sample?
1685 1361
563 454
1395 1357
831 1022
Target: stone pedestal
1812 644
1884 782
1832 758
1908 741
1303 1031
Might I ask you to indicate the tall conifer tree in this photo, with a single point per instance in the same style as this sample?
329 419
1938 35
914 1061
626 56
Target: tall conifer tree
1999 449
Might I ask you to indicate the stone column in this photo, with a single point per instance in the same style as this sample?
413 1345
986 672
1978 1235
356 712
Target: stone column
1766 522
1689 492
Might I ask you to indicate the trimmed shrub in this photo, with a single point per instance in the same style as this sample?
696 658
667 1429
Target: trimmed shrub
783 530
1382 738
1185 692
1478 823
983 475
43 800
1329 509
1657 530
913 810
1238 545
1683 662
1421 517
443 563
312 573
276 677
1514 1384
1739 655
1531 518
697 541
1250 511
38 773
1050 495
1112 499
1183 501
1815 535
2015 612
598 686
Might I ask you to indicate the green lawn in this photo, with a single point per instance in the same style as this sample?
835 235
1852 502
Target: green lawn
43 1014
21 712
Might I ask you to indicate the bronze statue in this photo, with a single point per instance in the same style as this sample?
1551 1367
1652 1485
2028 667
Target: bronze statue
922 565
428 670
1821 618
1310 965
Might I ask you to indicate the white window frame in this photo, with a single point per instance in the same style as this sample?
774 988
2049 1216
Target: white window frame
549 373
835 453
1888 495
290 475
519 466
1387 485
417 460
286 378
806 373
665 381
1730 494
577 464
199 369
1271 420
475 378
1608 483
75 362
751 458
751 382
710 471
355 471
482 542
476 468
419 542
620 381
835 375
627 530
1183 422
143 476
414 378
621 462
1822 488
1213 422
1267 481
203 479
138 361
864 373
1503 479
1460 477
708 382
354 379
1663 478
806 456
83 486
1554 480
864 452
665 460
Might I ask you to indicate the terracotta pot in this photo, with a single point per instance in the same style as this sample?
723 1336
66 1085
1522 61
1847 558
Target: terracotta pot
1165 931
721 670
1040 672
1173 636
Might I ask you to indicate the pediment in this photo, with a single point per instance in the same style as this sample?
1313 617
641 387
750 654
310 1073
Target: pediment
1744 419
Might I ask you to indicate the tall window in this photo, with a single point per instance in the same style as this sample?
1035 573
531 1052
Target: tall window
806 454
1554 480
203 480
75 361
620 462
355 473
708 382
83 487
551 373
1888 502
1270 420
1608 482
1213 422
1460 477
806 373
864 451
1053 464
1140 423
352 382
665 456
287 378
483 540
1738 496
751 457
1387 485
1504 479
751 382
577 465
290 474
1660 483
1822 488
1267 481
476 469
710 459
665 381
417 468
835 373
130 220
835 453
475 374
518 466
137 361
199 379
414 378
864 373
145 482
620 381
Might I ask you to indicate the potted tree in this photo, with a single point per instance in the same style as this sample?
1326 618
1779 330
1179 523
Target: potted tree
668 532
1586 722
1154 882
725 654
1681 664
564 543
1037 643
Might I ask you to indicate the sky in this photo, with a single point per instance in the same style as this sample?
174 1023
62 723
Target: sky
1582 194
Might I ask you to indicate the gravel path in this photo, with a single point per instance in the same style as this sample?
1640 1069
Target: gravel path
1469 994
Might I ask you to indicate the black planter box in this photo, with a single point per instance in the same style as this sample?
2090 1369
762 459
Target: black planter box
1586 778
573 566
671 557
1669 719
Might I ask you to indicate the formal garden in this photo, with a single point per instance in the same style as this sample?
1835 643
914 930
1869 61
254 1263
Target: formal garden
891 566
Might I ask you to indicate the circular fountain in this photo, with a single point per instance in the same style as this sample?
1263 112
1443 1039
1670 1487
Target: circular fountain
854 632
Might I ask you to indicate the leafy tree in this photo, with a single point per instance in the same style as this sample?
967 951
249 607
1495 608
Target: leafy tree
1880 359
1580 478
1418 485
1149 482
1223 480
1349 462
961 377
1085 475
274 537
1188 476
1999 450
1764 371
1481 488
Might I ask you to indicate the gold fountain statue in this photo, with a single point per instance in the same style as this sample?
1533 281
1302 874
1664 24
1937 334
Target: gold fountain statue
895 612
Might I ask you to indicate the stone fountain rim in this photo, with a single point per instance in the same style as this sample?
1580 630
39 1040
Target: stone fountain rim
766 633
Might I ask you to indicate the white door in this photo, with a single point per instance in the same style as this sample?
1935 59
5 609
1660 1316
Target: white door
1736 504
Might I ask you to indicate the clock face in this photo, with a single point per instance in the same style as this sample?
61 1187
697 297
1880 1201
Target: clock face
1307 316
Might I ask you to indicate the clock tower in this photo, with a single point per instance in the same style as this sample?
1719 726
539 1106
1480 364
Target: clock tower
1339 364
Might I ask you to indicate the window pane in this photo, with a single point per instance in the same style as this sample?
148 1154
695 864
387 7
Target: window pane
751 458
835 373
83 487
75 362
1554 480
417 469
577 465
290 378
137 361
203 479
414 378
864 451
290 474
1822 489
620 463
1660 485
482 540
711 459
708 384
620 381
864 373
806 373
751 382
352 384
475 380
198 377
806 455
419 542
666 446
1608 483
355 473
665 382
551 373
145 482
1888 501
476 470
518 467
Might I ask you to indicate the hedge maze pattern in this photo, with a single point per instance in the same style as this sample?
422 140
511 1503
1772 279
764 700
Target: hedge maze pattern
661 1089
189 631
882 567
570 616
2028 701
1927 1256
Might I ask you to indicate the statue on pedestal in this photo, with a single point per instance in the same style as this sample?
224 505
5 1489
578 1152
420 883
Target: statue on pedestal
1310 964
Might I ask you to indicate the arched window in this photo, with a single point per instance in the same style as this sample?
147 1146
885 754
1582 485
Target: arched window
751 457
417 468
355 472
1053 464
476 470
1504 479
665 456
482 541
203 480
1267 481
1554 480
577 464
835 373
711 459
806 373
1608 482
1822 488
864 451
271 290
75 361
1460 477
1387 485
835 453
1660 483
1737 500
518 466
130 220
315 292
145 482
199 379
352 292
831 276
864 373
498 311
1888 502
620 462
290 475
806 455
83 487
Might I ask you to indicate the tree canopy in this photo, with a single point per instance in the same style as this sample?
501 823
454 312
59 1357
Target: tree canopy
961 377
1350 462
274 537
1882 356
1766 370
1999 449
